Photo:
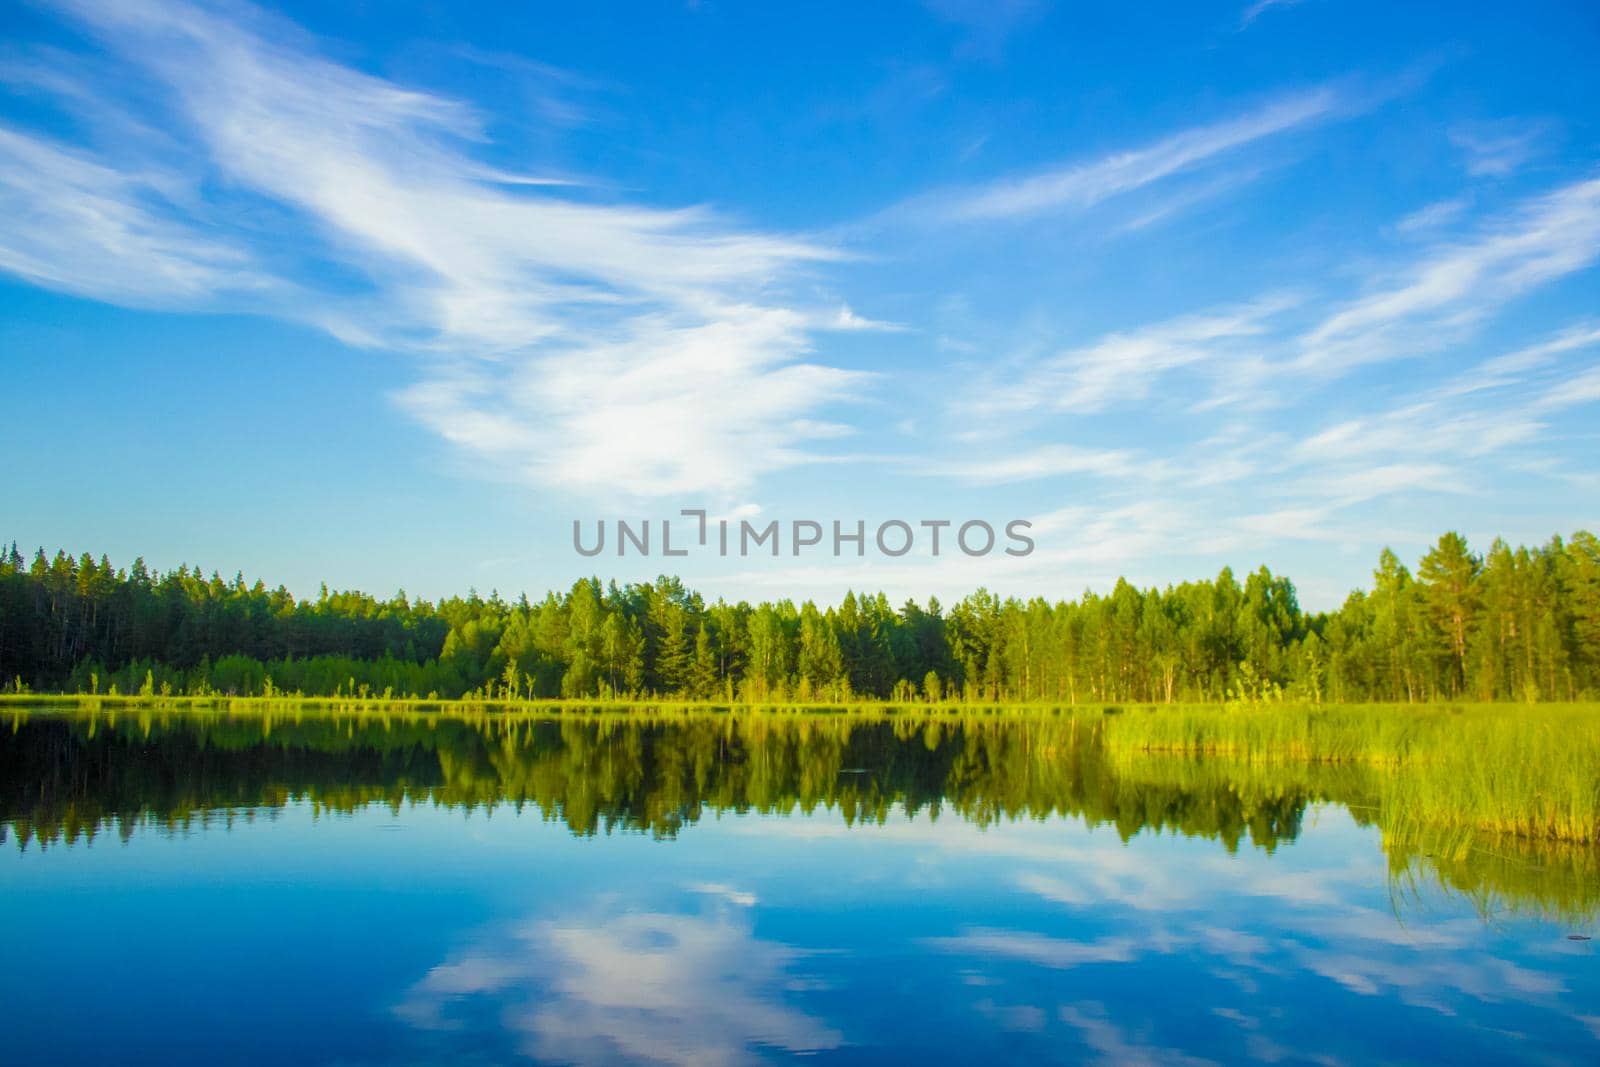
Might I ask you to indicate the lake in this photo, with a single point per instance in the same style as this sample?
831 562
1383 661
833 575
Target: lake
727 889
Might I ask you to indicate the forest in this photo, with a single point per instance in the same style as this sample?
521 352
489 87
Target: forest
1509 624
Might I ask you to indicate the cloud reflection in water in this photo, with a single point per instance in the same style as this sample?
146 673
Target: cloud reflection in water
635 986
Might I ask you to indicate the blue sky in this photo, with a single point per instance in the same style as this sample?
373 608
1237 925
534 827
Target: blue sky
387 295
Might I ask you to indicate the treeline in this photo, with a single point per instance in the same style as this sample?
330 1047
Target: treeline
1515 623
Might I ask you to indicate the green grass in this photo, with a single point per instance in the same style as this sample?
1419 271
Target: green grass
1524 770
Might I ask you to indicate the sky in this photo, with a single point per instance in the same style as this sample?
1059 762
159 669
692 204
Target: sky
389 295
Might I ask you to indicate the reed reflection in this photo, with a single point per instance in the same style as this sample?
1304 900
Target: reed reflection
70 778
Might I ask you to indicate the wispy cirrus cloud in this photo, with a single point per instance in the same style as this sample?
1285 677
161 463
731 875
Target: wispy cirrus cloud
1310 471
1514 367
1583 387
1497 149
1122 367
471 255
1443 439
1425 428
551 322
1250 352
80 226
1261 7
1429 302
1430 217
1080 185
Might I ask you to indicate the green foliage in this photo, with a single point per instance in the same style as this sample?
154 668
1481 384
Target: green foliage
1519 624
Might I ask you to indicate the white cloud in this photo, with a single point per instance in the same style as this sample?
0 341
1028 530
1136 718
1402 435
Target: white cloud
1079 186
576 343
1123 367
79 226
1261 7
385 172
1321 478
1046 461
1514 367
678 406
1497 149
1546 238
1244 355
1497 406
1582 388
1422 429
1359 484
1433 216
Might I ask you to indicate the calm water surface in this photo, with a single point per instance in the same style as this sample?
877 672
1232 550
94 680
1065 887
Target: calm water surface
183 889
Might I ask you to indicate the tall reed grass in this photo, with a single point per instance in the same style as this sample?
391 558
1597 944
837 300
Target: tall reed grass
1531 771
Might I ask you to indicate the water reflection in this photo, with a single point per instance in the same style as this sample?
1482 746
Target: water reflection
641 986
65 778
947 943
732 890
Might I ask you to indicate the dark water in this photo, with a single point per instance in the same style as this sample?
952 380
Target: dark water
722 891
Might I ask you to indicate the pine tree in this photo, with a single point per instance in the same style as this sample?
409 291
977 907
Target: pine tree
1447 578
703 674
